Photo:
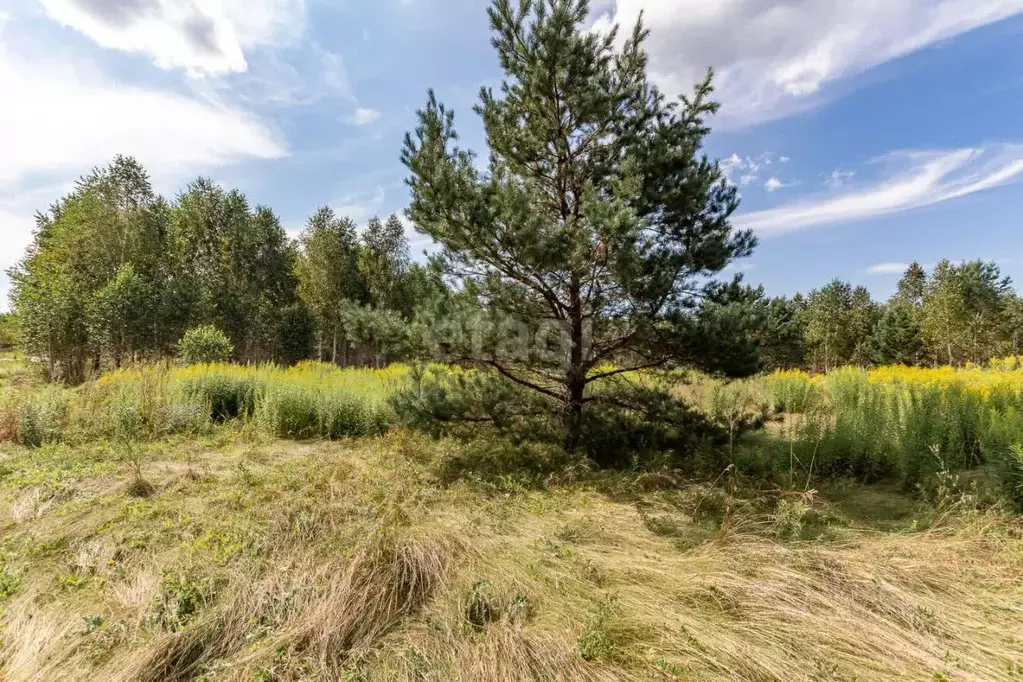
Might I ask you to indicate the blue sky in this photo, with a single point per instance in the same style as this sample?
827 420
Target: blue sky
862 135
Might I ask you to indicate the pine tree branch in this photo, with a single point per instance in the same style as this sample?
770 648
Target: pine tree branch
523 382
625 370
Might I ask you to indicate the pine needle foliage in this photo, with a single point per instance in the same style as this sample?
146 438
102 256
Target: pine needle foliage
597 223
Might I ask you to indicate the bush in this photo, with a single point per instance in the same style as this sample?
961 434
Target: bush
622 425
41 417
204 345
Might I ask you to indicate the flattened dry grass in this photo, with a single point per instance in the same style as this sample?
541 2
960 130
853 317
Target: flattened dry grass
356 560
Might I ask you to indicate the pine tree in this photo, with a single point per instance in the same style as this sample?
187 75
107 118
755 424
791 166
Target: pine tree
781 335
895 338
597 225
912 286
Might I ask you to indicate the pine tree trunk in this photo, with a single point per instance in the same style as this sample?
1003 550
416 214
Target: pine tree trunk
574 392
575 380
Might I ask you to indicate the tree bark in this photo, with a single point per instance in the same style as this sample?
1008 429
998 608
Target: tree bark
575 377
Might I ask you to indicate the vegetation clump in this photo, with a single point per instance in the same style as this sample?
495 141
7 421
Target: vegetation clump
204 345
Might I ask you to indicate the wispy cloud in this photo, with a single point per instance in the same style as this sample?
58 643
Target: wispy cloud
361 206
920 178
89 118
888 268
363 116
838 177
774 184
745 170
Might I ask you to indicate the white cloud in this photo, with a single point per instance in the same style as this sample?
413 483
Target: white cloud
838 177
921 178
888 268
731 164
783 159
773 185
746 167
777 57
363 116
335 75
206 38
67 120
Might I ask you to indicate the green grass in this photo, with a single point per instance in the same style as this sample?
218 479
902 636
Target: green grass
147 403
17 371
387 558
257 523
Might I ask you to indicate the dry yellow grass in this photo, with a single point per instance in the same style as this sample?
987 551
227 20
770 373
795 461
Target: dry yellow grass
350 561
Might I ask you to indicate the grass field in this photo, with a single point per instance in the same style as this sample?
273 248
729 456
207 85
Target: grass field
176 535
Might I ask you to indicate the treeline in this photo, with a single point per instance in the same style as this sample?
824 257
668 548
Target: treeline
116 272
957 313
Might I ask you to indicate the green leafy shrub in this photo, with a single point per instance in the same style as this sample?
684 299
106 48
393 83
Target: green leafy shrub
182 597
204 345
598 638
10 582
42 416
